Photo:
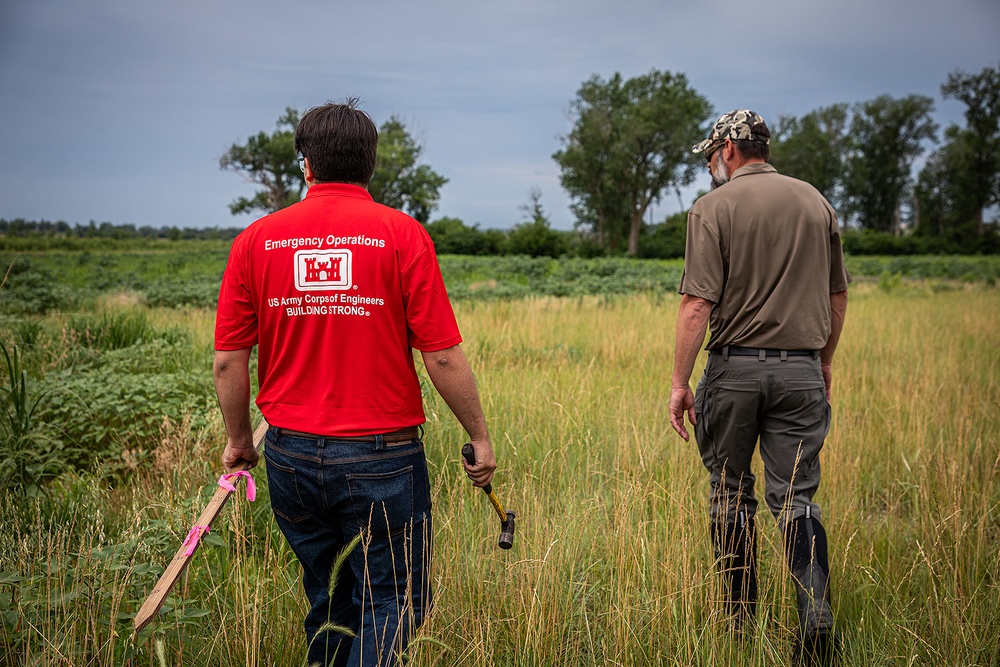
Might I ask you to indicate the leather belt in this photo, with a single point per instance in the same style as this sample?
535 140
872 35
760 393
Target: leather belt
402 435
761 353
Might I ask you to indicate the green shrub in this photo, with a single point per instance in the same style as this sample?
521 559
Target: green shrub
114 417
32 288
535 239
925 267
666 240
453 237
867 242
171 293
521 276
104 388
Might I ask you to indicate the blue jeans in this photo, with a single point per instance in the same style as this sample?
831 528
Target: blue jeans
324 493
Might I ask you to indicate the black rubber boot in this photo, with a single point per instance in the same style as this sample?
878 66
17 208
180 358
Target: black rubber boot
736 554
806 551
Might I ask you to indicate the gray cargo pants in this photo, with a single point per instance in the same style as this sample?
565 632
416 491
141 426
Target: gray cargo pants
783 403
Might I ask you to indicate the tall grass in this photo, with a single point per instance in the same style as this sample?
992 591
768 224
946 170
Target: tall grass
611 563
612 560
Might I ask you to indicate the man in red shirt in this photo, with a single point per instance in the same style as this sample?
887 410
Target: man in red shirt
335 291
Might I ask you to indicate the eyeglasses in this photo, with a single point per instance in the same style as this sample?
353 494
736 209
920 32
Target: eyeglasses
711 151
302 163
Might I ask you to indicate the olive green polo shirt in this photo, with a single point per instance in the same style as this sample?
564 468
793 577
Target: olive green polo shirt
765 249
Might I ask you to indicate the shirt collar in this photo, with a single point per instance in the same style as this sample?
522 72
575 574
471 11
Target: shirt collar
754 168
338 189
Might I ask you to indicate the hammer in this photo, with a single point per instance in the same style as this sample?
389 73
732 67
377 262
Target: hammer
506 518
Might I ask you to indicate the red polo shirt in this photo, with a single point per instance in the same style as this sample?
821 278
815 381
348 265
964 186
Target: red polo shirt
335 291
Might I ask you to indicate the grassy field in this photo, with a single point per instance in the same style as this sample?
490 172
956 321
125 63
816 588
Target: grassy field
611 563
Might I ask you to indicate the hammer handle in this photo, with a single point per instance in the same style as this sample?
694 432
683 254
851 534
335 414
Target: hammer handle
470 455
506 518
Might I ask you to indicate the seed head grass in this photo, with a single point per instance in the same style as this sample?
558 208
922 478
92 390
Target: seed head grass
612 562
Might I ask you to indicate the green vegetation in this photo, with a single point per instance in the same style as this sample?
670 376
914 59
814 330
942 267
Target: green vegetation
630 143
172 273
611 563
936 269
92 390
187 273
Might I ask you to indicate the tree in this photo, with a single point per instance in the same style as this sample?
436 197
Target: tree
813 148
631 140
399 181
981 167
947 209
534 236
886 136
268 160
665 240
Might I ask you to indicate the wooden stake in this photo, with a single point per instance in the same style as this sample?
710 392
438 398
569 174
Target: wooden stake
173 572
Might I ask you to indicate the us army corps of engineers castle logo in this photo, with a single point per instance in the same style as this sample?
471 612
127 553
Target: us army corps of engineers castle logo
323 270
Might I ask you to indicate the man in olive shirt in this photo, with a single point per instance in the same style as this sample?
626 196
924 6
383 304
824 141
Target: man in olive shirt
764 270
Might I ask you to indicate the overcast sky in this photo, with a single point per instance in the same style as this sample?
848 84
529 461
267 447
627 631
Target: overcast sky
118 110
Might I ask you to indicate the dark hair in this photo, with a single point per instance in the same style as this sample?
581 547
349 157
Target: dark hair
756 148
340 141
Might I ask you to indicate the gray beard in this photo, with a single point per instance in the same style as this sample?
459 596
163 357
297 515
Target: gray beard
720 175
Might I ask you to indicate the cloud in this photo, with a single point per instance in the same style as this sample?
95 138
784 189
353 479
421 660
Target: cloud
119 110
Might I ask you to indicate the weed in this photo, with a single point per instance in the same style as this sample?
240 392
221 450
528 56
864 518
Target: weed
26 455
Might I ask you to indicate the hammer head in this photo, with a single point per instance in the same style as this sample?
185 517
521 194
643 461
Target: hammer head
507 531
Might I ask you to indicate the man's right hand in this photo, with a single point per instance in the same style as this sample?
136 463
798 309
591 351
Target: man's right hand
237 452
481 474
681 401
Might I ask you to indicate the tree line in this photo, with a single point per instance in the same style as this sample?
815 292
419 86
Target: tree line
56 229
533 236
629 148
861 158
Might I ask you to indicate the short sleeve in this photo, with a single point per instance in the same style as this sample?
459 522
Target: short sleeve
704 269
839 276
429 315
236 318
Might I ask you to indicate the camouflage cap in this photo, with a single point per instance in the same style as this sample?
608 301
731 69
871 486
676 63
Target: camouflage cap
735 125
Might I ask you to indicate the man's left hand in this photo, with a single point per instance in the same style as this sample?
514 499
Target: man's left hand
828 380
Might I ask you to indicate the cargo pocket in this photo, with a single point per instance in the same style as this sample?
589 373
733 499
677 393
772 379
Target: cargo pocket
383 502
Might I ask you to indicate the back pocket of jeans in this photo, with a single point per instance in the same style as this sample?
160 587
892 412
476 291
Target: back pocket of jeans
383 502
286 501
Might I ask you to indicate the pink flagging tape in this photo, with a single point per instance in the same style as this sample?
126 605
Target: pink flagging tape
229 486
192 539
